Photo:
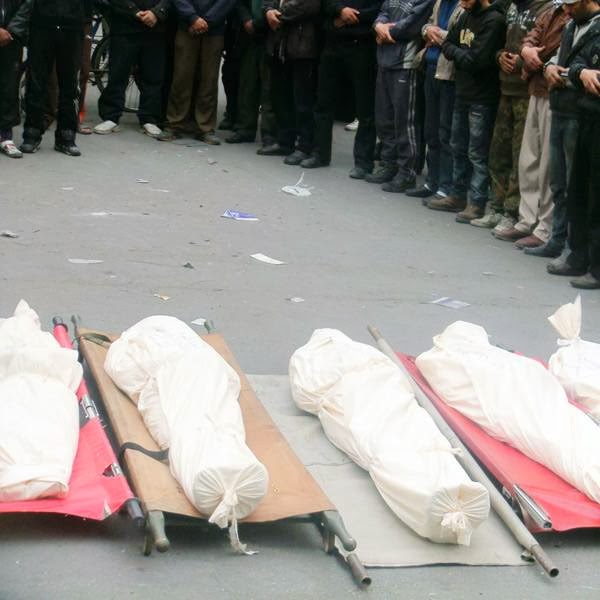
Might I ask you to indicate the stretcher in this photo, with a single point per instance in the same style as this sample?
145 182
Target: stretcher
293 493
545 501
97 487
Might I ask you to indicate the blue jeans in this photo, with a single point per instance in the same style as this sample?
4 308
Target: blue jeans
439 104
563 139
472 128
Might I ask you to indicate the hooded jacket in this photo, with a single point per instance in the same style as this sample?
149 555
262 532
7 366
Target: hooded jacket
408 17
368 10
14 17
65 14
123 19
472 44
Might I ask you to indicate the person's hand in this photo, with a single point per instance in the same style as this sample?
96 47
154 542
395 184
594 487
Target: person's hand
382 33
507 62
147 17
273 19
198 26
531 57
434 35
552 75
349 15
591 83
338 23
249 27
5 37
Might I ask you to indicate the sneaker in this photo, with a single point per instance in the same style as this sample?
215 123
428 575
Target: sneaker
169 135
106 127
295 158
273 149
238 137
209 137
510 235
504 224
152 130
358 173
472 211
550 249
398 186
586 282
448 204
352 126
314 162
64 141
382 174
8 147
489 220
420 192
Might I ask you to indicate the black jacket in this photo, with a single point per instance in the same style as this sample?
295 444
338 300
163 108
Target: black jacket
472 44
368 9
214 12
299 34
67 14
123 20
585 54
14 16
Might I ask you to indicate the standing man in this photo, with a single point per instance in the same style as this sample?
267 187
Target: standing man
472 44
349 52
137 39
14 26
398 36
55 37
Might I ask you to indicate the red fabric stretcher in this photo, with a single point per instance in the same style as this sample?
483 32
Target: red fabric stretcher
566 507
92 493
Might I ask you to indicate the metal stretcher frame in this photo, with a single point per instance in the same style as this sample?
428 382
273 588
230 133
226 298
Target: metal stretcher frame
293 493
546 502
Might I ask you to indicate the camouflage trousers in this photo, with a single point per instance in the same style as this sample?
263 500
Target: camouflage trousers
504 153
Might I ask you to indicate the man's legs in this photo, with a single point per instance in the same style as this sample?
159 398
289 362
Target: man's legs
304 88
249 89
151 68
432 126
481 126
10 74
207 96
445 133
500 156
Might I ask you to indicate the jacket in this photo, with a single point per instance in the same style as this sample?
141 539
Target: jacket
472 44
298 36
408 17
520 19
213 12
564 100
15 16
66 14
444 68
123 20
546 33
586 55
368 9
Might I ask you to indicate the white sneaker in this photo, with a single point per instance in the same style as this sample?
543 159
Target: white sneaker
8 147
490 220
151 129
504 224
352 126
106 127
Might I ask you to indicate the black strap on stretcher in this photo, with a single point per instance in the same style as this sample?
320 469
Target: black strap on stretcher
159 455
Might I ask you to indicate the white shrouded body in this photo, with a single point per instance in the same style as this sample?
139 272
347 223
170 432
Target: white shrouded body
517 401
368 411
187 395
39 414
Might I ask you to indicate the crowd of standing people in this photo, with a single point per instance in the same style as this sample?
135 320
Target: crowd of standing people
500 100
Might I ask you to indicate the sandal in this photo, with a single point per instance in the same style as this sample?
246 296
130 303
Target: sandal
8 147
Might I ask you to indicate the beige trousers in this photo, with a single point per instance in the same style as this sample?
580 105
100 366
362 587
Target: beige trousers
536 204
196 69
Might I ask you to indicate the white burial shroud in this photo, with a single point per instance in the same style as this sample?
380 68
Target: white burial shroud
187 395
576 364
39 413
517 401
368 411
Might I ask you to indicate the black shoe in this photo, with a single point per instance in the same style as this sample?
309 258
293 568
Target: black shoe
547 250
313 162
64 141
29 146
420 192
209 138
382 174
358 173
273 150
226 124
586 282
239 138
398 186
295 158
562 267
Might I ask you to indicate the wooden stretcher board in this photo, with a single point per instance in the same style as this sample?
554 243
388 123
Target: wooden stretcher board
292 490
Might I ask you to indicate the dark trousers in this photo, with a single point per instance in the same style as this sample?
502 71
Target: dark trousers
47 47
583 201
472 128
354 59
10 74
293 90
397 127
439 106
230 71
146 52
563 140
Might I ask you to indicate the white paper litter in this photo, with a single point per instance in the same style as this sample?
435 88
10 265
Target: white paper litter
159 190
239 216
199 321
298 189
450 302
85 261
295 299
267 259
162 297
142 181
67 189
